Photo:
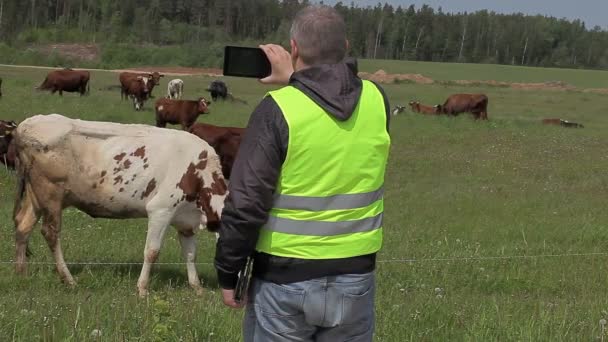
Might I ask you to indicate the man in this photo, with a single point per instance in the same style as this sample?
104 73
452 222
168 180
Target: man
306 193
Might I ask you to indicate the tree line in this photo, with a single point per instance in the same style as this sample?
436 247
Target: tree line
382 31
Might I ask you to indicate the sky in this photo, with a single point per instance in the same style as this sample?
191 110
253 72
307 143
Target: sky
592 12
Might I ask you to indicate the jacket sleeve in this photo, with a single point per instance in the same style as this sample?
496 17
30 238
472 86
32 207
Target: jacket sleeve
254 178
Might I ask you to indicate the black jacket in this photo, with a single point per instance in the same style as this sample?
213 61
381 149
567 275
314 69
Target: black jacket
337 89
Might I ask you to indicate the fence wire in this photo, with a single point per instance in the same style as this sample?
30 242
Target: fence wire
384 261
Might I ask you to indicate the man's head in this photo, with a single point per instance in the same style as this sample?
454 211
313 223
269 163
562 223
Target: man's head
318 36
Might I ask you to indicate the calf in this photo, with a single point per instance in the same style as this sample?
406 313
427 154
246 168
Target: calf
476 104
183 112
225 141
66 80
398 110
175 89
115 171
7 147
139 90
420 108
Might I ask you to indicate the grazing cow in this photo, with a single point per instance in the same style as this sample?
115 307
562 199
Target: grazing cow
183 112
476 104
563 123
116 171
217 89
225 141
7 147
417 107
66 80
398 110
139 90
175 89
126 78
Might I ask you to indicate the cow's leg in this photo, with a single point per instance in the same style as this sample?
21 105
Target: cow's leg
26 215
157 227
51 227
187 240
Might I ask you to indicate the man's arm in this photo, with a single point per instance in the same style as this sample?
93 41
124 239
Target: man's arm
252 184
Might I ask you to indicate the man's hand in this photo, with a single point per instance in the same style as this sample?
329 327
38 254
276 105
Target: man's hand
228 298
280 61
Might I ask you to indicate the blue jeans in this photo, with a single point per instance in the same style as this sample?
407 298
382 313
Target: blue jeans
332 309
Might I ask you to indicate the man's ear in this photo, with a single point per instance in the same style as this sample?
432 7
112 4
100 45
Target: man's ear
294 50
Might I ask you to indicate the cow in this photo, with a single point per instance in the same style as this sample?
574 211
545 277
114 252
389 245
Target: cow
175 89
115 171
66 80
139 90
416 107
225 141
476 104
126 78
7 147
218 89
183 112
398 110
563 123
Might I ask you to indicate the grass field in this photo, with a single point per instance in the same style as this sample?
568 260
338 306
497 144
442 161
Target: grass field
456 189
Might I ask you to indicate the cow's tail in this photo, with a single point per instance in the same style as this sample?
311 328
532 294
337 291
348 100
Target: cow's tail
20 196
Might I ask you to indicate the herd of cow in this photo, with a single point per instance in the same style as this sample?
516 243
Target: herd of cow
111 170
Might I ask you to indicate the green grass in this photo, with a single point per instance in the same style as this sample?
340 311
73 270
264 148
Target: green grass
486 72
455 189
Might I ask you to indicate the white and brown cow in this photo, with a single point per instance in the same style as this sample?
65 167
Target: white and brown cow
113 170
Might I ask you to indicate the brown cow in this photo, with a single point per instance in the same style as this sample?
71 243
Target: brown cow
66 80
183 112
476 104
126 78
423 109
7 147
139 90
225 141
563 123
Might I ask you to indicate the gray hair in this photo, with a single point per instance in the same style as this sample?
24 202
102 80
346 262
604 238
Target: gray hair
320 34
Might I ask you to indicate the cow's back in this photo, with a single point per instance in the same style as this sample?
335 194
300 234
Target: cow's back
107 167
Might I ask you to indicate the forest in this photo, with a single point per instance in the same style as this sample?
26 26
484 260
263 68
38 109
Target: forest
200 28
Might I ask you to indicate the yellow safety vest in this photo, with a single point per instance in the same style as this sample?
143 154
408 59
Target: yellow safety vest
329 199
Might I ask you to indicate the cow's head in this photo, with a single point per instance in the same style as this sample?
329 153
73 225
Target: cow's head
145 83
155 76
203 105
415 106
6 134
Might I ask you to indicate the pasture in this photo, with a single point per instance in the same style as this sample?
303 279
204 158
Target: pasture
469 207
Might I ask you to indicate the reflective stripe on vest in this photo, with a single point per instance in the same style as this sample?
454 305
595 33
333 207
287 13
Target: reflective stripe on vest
328 202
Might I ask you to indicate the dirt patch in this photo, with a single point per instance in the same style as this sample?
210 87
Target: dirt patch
86 52
381 76
603 91
178 71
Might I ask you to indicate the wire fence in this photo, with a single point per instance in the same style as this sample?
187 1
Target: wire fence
384 261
